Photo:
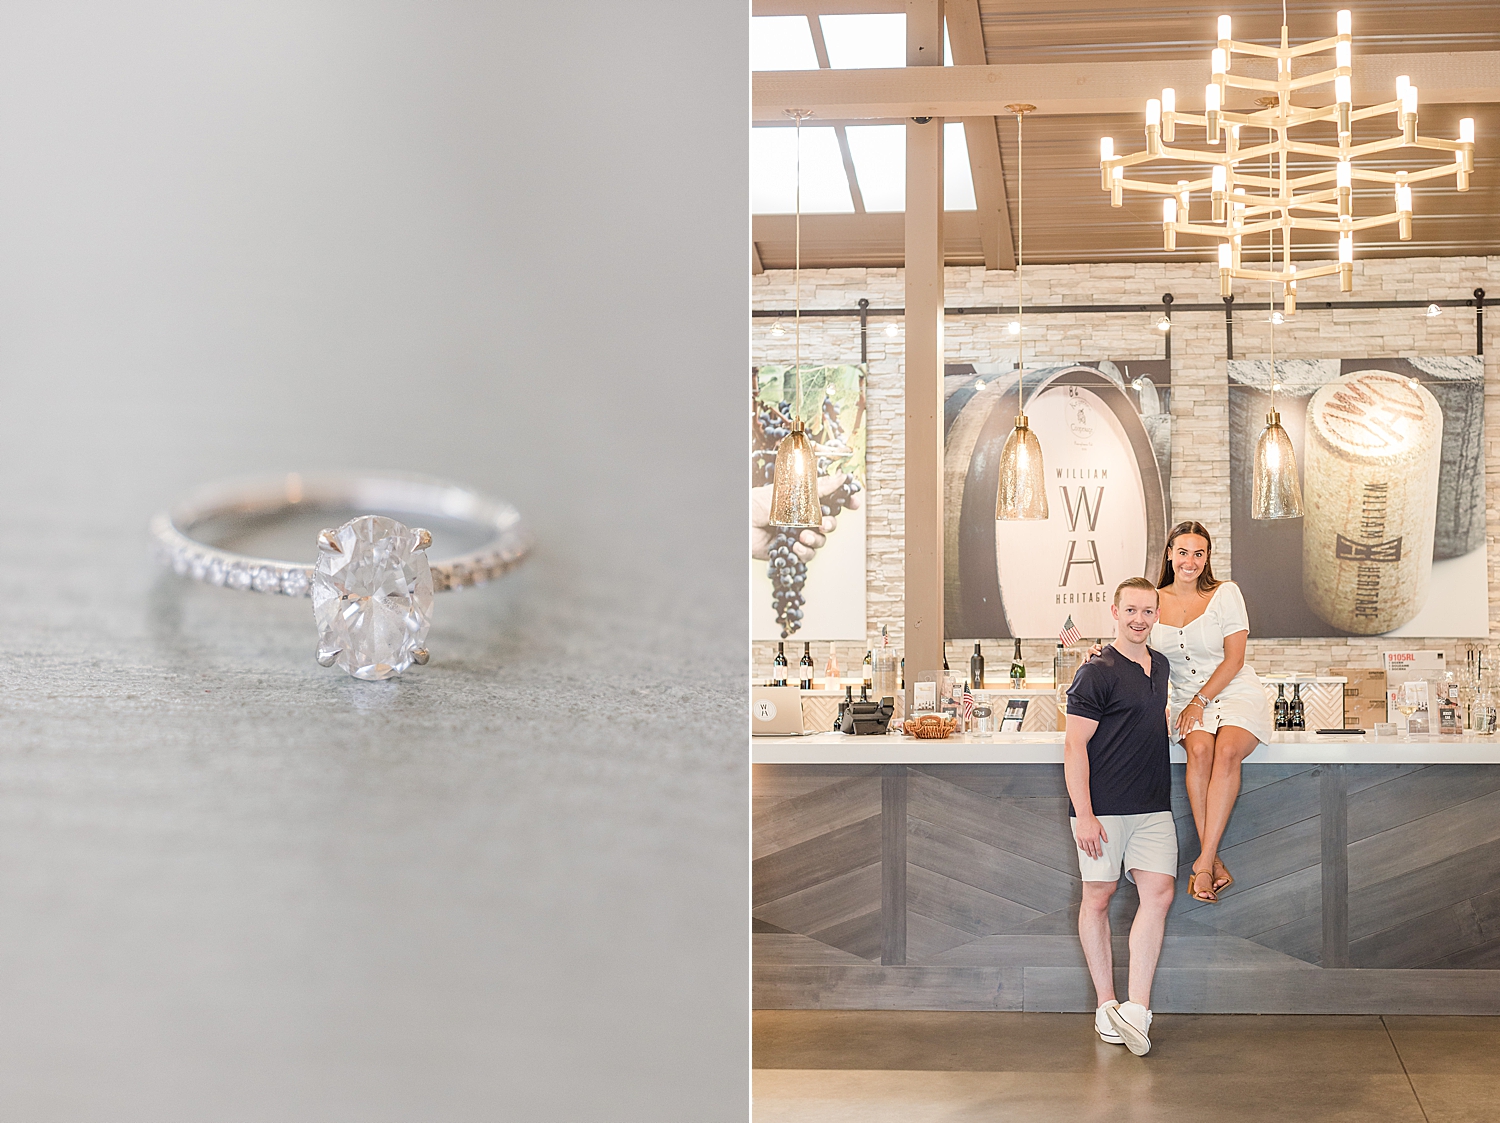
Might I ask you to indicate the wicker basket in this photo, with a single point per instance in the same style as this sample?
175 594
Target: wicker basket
931 727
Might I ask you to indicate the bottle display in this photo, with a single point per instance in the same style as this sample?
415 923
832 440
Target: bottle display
869 670
1283 708
1017 668
976 668
778 669
1296 712
806 665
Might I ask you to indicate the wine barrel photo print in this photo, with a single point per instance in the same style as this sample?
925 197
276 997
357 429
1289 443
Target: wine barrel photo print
1106 440
1391 456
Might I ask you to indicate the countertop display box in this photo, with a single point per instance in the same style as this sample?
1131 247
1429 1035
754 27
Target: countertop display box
1364 696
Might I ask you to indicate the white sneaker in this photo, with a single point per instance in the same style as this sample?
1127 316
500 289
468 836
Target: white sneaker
1132 1022
1102 1025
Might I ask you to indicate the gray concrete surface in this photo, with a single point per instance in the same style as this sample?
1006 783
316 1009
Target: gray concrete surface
501 243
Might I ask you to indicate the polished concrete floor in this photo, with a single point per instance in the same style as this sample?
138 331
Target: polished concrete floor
863 1066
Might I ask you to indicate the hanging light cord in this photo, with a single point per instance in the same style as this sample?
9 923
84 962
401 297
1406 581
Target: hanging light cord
1020 261
797 281
1272 268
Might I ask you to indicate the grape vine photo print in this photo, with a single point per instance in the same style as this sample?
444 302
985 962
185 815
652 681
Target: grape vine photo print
809 584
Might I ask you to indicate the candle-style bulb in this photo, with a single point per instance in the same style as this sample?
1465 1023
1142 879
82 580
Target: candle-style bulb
1169 100
1345 20
1106 148
1224 27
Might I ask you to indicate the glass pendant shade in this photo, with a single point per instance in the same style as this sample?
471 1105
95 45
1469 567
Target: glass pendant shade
794 488
1023 482
1277 492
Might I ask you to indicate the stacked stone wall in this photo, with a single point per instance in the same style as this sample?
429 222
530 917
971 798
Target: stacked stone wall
1200 408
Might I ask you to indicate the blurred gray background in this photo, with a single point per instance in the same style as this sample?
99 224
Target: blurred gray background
503 243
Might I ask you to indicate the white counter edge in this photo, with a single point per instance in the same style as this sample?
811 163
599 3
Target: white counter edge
1046 748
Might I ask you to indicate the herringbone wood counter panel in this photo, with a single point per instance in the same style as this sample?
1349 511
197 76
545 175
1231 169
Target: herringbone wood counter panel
1358 888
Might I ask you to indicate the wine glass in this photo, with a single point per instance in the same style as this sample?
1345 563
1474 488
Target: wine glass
1407 704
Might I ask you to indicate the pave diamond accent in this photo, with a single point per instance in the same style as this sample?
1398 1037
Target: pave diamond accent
372 597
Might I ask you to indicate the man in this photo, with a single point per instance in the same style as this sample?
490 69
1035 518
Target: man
1120 793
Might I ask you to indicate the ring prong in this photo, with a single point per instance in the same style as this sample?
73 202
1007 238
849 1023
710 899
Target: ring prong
328 541
419 657
424 537
326 656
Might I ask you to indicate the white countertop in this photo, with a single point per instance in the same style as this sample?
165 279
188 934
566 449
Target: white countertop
1047 748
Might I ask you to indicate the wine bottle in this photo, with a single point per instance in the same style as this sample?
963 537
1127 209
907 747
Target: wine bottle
831 668
1298 713
869 670
903 673
945 656
1283 708
976 668
778 669
806 664
1017 668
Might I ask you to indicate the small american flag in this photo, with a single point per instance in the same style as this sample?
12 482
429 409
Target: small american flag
968 706
1070 634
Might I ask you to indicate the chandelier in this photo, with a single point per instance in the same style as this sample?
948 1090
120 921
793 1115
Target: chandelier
1243 204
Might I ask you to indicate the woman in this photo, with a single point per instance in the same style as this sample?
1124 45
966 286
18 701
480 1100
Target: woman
1218 706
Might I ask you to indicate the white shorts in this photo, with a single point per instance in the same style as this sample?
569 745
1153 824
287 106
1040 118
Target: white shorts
1136 842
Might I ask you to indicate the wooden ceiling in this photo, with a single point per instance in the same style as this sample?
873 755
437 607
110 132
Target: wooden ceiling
1068 217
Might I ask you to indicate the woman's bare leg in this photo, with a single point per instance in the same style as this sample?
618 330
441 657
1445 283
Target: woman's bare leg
1200 763
1230 748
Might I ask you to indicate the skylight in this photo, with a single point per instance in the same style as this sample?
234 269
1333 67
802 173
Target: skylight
865 41
958 177
783 43
879 153
773 172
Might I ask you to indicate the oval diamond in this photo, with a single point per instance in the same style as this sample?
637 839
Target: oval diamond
372 597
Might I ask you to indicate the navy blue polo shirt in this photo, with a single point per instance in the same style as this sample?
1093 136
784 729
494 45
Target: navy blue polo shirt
1129 770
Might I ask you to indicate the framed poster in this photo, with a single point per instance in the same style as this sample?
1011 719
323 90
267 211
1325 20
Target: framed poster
1390 453
1105 431
809 585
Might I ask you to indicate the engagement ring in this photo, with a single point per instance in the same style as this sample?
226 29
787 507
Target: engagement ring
372 584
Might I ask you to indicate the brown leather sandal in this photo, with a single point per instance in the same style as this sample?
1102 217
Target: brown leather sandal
1206 895
1222 871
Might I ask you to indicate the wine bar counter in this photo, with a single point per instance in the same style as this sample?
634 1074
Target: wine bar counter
891 873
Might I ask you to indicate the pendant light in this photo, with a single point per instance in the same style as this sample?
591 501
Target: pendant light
1276 493
794 488
1023 482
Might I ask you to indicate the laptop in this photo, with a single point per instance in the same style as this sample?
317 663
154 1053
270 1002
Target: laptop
776 711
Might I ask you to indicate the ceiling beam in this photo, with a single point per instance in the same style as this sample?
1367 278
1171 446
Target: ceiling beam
1457 77
966 38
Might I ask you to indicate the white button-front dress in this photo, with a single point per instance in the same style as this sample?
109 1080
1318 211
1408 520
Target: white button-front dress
1196 651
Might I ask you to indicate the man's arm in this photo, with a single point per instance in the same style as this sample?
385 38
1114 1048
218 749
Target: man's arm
1091 836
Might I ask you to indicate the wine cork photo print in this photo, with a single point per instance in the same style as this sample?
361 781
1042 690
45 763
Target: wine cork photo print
1391 455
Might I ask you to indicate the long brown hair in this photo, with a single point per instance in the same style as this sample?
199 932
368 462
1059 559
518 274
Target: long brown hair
1207 582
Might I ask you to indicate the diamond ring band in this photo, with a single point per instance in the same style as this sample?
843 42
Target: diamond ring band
372 583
